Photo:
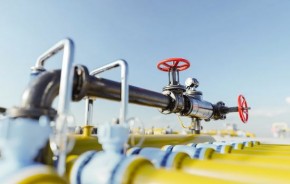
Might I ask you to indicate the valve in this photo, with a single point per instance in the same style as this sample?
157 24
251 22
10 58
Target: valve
173 66
243 108
174 89
187 101
220 110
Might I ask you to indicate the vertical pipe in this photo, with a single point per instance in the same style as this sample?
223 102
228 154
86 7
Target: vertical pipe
65 90
124 85
89 111
65 93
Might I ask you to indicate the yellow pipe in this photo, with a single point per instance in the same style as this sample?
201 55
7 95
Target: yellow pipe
244 173
273 161
247 172
269 149
239 146
262 147
44 179
88 142
272 147
262 160
158 141
142 171
46 176
84 143
280 145
70 160
261 152
249 144
257 150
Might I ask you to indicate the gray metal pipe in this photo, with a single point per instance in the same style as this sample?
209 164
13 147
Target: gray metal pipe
38 96
104 88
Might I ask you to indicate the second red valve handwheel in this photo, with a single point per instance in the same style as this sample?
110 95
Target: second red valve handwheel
243 108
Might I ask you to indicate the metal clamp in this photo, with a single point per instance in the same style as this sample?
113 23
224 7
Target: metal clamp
124 90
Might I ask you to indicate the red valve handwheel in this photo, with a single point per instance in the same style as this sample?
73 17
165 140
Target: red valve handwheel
243 108
179 63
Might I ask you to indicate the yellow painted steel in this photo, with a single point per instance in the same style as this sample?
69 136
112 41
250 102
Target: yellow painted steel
48 177
70 160
87 130
269 160
246 172
231 133
86 142
173 139
263 149
239 146
249 144
272 147
275 145
44 179
226 133
235 171
262 152
142 171
255 163
261 160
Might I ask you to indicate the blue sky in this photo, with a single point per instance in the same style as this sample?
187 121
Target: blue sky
235 47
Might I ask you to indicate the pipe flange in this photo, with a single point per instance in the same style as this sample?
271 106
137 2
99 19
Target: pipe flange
82 82
175 88
177 103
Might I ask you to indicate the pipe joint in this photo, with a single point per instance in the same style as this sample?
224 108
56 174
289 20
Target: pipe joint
81 82
177 102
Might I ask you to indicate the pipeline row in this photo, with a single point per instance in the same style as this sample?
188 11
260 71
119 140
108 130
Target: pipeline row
217 162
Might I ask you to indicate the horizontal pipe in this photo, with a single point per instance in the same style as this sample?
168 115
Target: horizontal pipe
104 88
38 96
241 172
270 160
262 152
142 171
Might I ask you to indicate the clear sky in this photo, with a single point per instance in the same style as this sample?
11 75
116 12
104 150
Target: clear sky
235 47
